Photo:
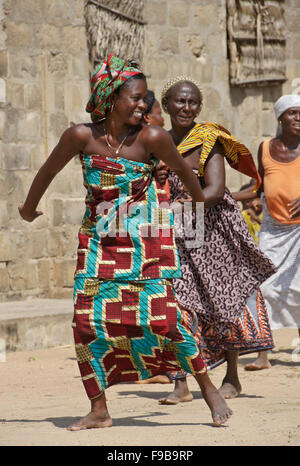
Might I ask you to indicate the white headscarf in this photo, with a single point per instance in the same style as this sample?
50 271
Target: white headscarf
284 103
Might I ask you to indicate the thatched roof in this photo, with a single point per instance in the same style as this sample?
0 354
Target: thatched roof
114 26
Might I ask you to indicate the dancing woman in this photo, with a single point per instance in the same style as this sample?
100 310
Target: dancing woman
224 274
127 323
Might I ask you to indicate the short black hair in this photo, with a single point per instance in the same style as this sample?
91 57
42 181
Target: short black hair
150 99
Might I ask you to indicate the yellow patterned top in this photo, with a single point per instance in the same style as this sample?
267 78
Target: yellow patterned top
236 153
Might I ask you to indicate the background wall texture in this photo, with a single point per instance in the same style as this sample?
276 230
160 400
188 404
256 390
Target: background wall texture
44 85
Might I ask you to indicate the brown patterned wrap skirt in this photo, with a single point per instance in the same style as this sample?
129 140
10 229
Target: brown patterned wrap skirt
219 289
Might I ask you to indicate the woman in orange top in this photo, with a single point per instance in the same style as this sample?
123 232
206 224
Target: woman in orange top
279 167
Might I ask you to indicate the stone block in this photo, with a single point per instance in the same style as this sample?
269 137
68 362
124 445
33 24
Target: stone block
57 64
179 14
16 159
58 123
58 12
193 44
156 69
30 11
4 217
15 94
36 244
2 123
7 250
55 243
78 97
156 12
24 67
29 127
31 275
59 96
33 96
4 278
2 90
43 268
48 36
74 39
206 16
63 273
268 124
17 277
4 63
169 41
67 211
80 66
18 34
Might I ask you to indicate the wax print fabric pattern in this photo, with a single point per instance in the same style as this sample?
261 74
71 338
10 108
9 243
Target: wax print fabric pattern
127 323
108 76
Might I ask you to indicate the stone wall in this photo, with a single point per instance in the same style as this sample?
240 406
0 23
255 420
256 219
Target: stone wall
188 37
44 85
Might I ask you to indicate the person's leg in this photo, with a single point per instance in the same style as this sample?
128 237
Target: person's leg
97 417
180 393
161 378
231 386
261 362
219 410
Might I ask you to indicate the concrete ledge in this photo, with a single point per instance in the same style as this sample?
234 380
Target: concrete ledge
35 324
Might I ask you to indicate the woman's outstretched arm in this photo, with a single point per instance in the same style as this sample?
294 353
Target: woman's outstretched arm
72 141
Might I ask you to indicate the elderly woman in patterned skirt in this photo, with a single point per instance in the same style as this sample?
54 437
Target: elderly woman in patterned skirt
219 290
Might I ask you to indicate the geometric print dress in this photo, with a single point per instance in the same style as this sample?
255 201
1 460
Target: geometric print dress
127 322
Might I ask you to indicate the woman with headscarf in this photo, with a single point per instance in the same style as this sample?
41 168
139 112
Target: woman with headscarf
219 290
127 324
279 239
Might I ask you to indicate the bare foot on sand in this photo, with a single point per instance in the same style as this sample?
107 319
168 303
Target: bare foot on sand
155 379
220 412
230 389
173 399
261 362
98 417
254 366
181 394
91 421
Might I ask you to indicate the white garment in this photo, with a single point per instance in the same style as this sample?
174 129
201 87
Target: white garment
281 243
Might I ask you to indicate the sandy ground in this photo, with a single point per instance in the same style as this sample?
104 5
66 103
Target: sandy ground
41 394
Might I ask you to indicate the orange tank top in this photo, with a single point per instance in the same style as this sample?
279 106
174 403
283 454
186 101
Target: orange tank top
281 185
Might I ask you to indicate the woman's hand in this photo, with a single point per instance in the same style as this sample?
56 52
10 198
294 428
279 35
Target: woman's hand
162 173
294 208
257 205
28 216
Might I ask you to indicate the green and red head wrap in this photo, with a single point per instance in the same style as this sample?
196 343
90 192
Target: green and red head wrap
107 77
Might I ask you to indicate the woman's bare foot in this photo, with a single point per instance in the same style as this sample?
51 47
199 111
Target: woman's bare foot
256 366
155 379
231 387
98 417
261 362
220 411
229 390
91 421
181 394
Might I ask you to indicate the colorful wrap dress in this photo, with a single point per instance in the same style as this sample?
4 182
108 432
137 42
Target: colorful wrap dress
219 290
127 323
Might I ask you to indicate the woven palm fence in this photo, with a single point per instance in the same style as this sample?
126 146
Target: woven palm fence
114 26
256 41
